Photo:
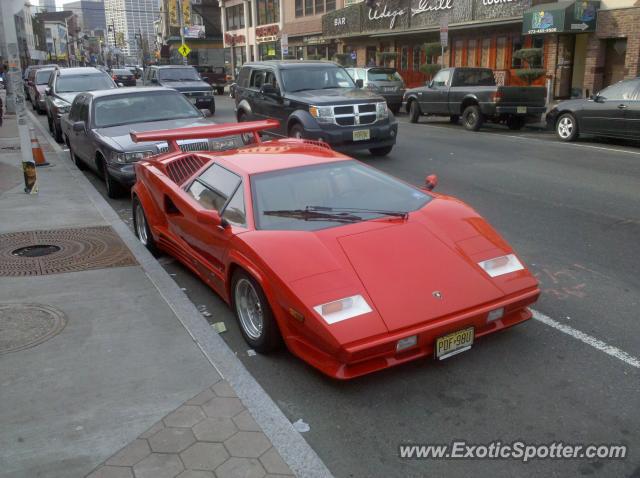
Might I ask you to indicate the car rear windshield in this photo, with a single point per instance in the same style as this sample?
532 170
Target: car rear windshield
315 78
122 72
72 83
142 107
474 78
42 77
280 196
178 74
383 74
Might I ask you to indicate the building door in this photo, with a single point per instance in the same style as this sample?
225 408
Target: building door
371 56
579 59
615 53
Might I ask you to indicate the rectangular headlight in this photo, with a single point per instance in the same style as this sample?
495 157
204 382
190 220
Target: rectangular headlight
322 114
343 309
131 156
501 265
382 111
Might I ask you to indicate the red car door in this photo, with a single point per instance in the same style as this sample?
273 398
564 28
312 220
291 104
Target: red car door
216 189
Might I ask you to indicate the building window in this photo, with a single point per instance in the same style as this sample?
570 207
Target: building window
299 8
416 58
196 19
308 7
404 58
471 52
516 45
501 44
457 57
235 17
319 6
330 5
268 11
486 48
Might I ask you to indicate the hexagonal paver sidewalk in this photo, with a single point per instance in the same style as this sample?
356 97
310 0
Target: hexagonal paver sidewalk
211 435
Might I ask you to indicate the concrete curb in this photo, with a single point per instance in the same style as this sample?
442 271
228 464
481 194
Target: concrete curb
295 451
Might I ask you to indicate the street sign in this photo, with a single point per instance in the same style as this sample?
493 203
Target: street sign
284 41
285 50
444 32
354 55
184 50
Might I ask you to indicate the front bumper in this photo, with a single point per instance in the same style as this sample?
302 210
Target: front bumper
125 173
341 137
551 118
378 353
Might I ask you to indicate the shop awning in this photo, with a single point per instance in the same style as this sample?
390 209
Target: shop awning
561 17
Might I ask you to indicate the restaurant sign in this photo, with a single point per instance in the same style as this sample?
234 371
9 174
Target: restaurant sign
561 17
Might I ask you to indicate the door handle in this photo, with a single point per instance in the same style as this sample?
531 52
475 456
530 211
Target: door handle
622 107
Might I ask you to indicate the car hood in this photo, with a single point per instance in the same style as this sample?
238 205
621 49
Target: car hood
120 137
183 86
68 97
335 96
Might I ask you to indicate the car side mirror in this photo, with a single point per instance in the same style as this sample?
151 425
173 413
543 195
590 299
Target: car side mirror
206 113
269 90
47 91
430 182
360 83
78 126
430 84
208 217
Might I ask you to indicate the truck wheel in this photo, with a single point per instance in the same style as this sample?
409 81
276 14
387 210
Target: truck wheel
414 112
297 131
220 91
383 151
515 123
567 127
472 118
212 106
453 119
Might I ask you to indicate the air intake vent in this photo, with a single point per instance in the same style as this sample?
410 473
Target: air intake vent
182 168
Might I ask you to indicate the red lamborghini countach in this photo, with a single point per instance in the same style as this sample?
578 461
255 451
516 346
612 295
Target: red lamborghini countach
354 270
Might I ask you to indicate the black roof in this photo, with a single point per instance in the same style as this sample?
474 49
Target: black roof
292 64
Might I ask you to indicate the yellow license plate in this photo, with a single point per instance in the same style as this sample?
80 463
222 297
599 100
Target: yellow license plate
361 135
454 343
521 109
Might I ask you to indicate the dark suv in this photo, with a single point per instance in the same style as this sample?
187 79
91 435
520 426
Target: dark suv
184 79
316 100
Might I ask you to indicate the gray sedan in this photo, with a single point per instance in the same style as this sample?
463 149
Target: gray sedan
98 126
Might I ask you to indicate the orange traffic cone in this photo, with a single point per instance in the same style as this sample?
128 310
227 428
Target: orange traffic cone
36 150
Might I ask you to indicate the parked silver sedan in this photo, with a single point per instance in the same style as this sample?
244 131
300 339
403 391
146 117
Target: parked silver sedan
386 82
98 126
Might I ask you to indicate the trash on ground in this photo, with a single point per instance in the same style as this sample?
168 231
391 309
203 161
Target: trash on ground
219 327
301 426
251 353
203 310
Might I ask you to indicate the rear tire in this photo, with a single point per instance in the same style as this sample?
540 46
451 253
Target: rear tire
567 127
382 151
472 118
414 111
255 317
515 123
141 227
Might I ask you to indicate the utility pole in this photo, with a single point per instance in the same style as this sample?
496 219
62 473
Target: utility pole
185 61
15 94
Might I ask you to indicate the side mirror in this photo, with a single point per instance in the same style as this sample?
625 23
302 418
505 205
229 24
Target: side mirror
430 182
360 83
207 217
430 84
269 90
206 113
78 126
47 91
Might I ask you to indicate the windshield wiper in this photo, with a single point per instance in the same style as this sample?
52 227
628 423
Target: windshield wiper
301 89
311 215
347 210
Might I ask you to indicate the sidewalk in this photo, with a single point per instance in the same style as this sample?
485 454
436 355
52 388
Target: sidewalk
106 368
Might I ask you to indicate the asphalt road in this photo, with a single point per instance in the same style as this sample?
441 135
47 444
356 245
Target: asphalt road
572 211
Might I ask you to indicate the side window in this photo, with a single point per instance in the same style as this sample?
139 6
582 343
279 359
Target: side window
234 212
619 91
243 77
270 77
257 79
213 187
74 112
441 78
84 109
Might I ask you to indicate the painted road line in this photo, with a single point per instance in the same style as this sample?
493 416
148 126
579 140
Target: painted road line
588 339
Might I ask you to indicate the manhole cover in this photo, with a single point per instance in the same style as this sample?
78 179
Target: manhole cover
65 250
35 251
26 325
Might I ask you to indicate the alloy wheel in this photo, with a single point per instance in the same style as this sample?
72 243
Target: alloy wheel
141 226
249 309
565 127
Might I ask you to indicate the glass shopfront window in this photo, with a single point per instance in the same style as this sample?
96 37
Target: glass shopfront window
457 57
404 58
268 11
235 17
501 46
269 51
486 49
416 58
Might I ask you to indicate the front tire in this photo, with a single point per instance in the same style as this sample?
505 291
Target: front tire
297 131
255 317
114 188
57 134
472 118
382 151
141 227
414 112
567 127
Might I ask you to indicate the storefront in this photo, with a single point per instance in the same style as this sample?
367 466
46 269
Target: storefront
480 33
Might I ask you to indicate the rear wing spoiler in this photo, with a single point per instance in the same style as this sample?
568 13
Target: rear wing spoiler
172 136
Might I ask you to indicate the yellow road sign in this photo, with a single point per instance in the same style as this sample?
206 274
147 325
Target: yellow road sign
184 50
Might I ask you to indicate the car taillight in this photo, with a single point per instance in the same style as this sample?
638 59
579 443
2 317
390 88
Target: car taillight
497 96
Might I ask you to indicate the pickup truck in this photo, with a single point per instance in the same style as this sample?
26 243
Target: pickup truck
216 76
472 93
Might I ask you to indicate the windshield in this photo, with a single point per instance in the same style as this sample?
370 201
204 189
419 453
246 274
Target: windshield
315 78
380 74
122 73
358 192
72 83
142 108
178 74
42 77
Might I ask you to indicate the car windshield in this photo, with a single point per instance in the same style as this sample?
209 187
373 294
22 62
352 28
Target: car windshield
178 74
327 195
383 74
42 77
91 82
315 78
142 107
